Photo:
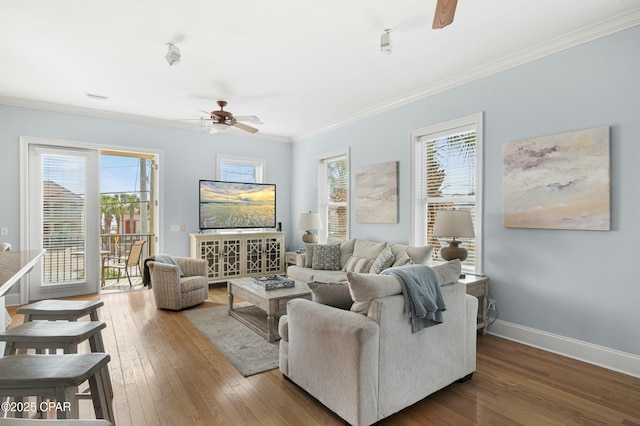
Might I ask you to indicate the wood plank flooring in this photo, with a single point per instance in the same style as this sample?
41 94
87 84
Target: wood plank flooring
165 372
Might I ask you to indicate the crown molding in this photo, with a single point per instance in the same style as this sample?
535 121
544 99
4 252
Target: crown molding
578 37
131 118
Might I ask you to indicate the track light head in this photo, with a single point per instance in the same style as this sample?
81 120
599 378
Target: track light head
385 42
173 54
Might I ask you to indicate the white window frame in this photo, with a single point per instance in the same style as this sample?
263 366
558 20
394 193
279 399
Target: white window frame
259 164
322 202
418 188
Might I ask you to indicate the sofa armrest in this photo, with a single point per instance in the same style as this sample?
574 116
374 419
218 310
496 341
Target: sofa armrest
192 267
333 355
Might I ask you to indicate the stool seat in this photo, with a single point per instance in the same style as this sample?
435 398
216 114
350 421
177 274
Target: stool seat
53 335
53 310
57 377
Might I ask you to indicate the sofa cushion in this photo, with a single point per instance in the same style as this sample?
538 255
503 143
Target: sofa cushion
383 261
326 257
333 294
346 251
366 287
299 273
368 249
358 264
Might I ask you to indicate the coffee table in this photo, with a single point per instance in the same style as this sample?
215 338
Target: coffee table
272 302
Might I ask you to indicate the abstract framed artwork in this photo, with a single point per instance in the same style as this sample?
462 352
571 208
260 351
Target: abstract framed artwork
560 181
376 193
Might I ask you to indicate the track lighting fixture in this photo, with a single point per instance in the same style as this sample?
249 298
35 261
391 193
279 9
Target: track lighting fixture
385 42
173 54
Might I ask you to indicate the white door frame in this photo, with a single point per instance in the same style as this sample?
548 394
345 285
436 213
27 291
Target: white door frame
27 141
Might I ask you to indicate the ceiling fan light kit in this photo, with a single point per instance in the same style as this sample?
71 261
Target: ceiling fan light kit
173 54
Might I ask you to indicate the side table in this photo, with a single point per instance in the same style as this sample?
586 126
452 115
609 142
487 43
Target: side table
478 286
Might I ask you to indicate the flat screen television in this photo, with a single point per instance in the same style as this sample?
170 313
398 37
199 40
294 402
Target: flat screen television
231 205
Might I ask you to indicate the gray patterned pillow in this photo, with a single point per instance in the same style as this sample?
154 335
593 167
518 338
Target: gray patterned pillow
383 261
326 258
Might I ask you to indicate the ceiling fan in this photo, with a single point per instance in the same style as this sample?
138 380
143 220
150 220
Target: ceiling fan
445 9
222 121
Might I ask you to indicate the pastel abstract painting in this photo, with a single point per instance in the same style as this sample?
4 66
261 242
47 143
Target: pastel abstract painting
560 181
376 198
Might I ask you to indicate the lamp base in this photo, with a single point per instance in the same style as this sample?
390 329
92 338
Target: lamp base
310 238
452 251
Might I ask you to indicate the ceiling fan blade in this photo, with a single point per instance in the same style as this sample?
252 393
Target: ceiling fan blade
206 112
445 10
245 127
251 118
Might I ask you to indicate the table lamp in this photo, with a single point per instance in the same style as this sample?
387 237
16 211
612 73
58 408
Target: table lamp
452 224
310 222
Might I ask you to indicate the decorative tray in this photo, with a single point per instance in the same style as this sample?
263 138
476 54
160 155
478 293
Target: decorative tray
272 282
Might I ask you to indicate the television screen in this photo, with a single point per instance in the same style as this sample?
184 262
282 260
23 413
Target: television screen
228 205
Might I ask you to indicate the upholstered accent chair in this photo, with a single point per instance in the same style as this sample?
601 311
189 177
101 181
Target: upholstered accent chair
179 286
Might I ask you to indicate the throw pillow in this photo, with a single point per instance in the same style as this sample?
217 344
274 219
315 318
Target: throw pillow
358 264
383 261
419 254
308 259
326 257
402 259
449 272
332 294
366 287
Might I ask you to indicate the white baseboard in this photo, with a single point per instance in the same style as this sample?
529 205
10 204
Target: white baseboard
601 356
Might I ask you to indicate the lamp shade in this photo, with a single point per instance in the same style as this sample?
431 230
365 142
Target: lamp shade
310 221
454 223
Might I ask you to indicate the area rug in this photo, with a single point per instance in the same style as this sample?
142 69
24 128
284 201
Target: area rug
248 352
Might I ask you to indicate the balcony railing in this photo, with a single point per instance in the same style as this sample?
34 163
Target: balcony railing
64 259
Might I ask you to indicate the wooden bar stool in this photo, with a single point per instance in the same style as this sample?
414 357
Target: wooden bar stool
52 335
65 335
57 377
53 310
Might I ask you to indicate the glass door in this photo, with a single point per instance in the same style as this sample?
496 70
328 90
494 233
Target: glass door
63 212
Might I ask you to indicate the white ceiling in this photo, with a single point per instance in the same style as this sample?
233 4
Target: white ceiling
302 66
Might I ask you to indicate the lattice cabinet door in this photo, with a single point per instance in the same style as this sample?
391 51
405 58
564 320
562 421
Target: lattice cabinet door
254 255
210 251
273 255
231 257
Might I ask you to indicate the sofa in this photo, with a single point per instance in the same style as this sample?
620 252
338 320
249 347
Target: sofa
178 283
331 262
366 363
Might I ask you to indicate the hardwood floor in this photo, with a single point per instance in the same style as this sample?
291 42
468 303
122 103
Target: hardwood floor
165 372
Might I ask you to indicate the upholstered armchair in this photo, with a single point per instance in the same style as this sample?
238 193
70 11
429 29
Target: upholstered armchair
179 286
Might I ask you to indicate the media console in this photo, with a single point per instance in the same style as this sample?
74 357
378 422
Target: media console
239 254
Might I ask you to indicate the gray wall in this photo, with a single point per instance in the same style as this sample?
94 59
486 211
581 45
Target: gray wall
578 284
188 157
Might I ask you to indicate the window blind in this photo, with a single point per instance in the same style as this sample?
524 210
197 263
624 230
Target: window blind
63 226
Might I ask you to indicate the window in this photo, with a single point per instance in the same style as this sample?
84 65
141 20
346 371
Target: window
333 196
237 169
447 160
